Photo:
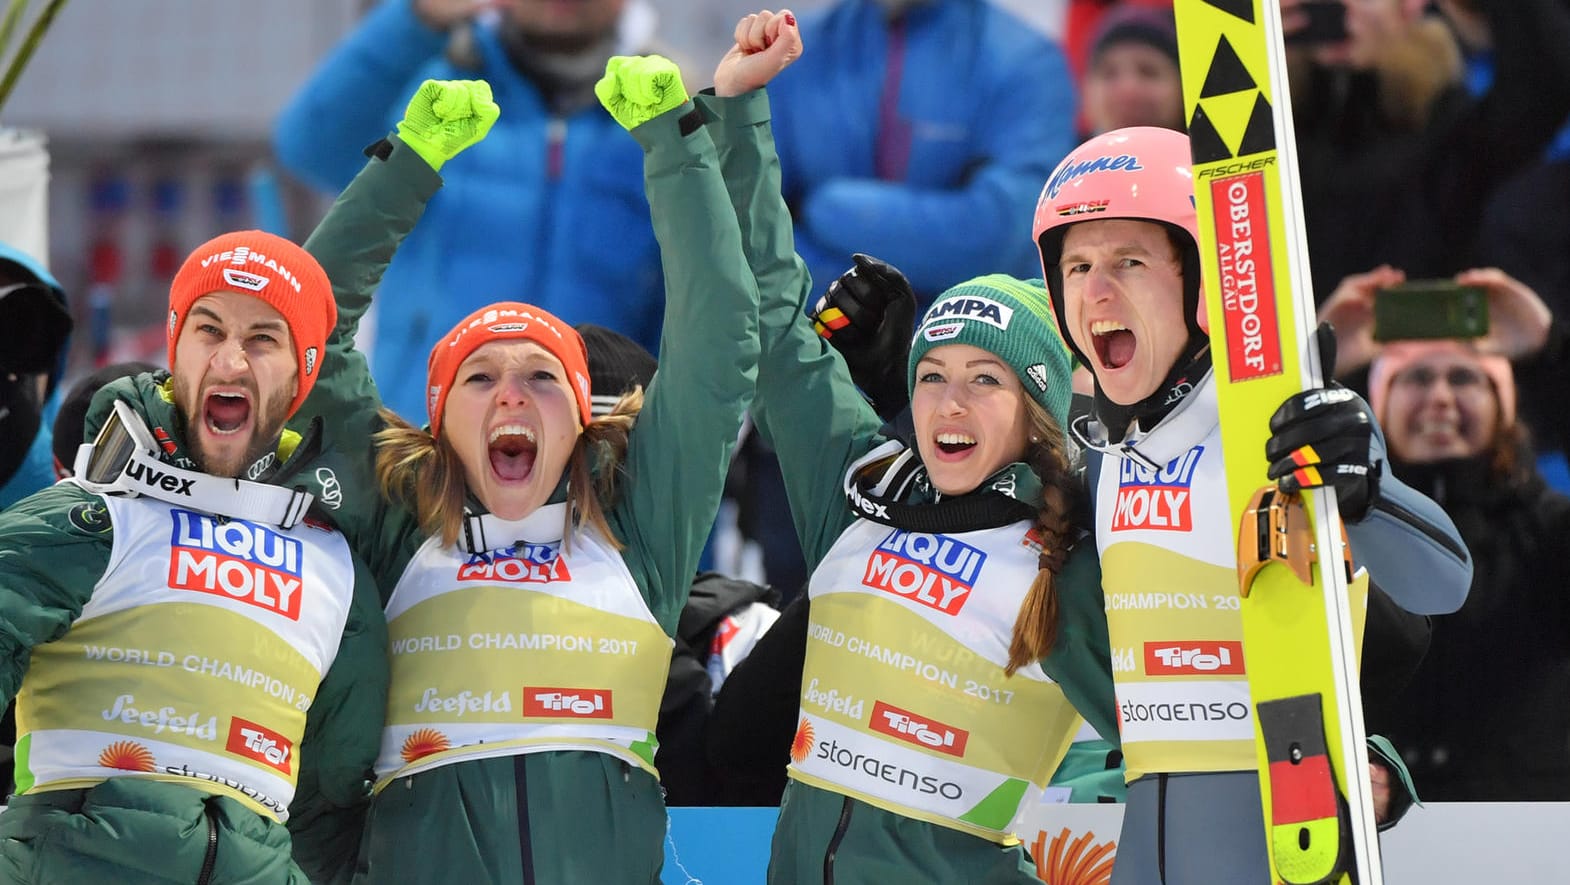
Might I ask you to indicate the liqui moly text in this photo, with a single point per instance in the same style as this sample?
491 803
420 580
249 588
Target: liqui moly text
240 560
1156 500
519 564
933 570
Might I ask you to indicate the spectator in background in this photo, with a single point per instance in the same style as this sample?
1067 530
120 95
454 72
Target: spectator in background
1521 328
1132 77
909 115
1397 157
1526 227
1485 718
33 311
1073 23
550 204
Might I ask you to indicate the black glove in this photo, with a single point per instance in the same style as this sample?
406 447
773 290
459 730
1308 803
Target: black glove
868 315
1321 437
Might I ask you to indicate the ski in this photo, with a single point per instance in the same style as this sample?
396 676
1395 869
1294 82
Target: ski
1299 627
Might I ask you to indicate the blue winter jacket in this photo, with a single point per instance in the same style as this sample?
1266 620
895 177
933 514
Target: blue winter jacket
37 469
938 176
546 210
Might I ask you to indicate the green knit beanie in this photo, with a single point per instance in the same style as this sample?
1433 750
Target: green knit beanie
1011 319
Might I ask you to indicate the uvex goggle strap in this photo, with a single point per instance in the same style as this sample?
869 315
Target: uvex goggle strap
877 497
124 459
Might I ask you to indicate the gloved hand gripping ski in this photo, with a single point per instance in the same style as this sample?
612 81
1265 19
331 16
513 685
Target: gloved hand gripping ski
1321 437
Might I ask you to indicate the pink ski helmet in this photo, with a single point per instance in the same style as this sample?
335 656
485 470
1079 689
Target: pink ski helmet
1142 173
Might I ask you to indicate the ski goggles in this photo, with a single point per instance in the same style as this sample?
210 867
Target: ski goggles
103 461
123 459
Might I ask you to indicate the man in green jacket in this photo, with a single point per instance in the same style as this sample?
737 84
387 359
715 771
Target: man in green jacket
198 658
193 650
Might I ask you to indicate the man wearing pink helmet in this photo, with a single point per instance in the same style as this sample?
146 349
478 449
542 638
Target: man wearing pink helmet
1117 231
1118 234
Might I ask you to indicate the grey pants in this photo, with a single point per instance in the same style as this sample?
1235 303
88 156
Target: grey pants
1193 829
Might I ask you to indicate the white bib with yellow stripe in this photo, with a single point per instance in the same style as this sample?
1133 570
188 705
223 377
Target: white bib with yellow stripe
195 660
905 704
521 649
1169 571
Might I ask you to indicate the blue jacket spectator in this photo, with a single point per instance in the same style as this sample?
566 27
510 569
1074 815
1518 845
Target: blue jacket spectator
26 453
548 208
920 131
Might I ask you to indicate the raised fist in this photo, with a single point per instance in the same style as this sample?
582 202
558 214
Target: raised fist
446 116
766 43
869 315
636 89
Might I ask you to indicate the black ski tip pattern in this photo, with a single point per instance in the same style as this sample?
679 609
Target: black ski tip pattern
1205 143
1260 136
1226 73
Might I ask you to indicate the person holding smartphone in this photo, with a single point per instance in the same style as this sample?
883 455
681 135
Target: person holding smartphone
1516 323
1483 718
1519 327
1397 155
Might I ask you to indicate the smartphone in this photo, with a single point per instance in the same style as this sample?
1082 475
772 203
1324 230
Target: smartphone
1326 23
1430 309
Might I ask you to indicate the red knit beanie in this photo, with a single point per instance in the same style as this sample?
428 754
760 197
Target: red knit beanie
1398 355
505 321
254 262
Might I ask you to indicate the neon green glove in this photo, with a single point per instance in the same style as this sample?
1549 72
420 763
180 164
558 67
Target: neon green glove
636 89
446 116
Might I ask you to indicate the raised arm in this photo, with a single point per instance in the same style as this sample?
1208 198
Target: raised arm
357 238
354 244
692 412
806 402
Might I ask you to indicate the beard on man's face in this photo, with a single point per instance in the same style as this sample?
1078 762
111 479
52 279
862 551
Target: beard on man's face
267 426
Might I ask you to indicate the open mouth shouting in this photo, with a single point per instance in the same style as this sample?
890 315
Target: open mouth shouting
954 446
1113 342
226 413
512 449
